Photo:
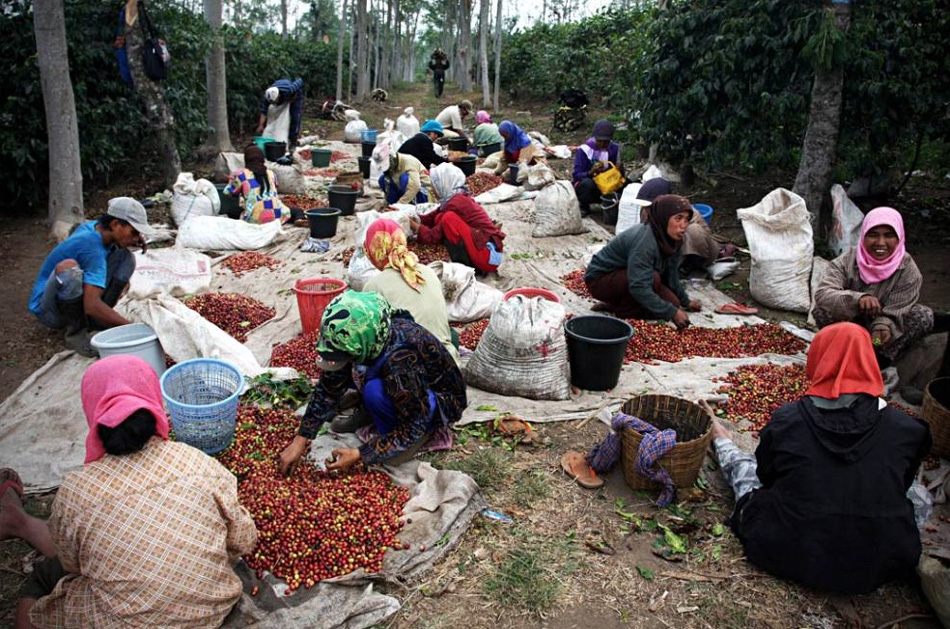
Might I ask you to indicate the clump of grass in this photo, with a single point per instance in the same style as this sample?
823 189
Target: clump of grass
530 487
524 579
489 467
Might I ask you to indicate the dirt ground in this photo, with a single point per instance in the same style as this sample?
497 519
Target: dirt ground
547 570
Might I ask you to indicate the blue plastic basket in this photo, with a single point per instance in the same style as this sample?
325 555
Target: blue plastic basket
368 135
202 399
704 210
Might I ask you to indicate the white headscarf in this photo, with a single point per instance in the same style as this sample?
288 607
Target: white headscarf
272 94
447 180
381 156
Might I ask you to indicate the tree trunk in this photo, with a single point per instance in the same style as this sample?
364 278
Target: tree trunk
398 59
157 113
216 80
65 169
498 21
465 54
385 61
483 49
362 80
339 52
821 137
283 18
351 66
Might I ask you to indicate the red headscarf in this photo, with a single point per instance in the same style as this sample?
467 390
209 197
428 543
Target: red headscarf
841 360
112 389
386 248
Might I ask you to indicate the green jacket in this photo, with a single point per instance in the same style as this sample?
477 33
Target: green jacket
487 133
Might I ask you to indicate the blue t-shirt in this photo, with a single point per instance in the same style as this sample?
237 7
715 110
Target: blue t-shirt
85 247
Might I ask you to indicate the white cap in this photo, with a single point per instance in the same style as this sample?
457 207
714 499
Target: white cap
131 211
271 94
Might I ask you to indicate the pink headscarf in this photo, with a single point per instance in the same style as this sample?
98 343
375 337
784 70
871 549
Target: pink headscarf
872 270
114 388
481 116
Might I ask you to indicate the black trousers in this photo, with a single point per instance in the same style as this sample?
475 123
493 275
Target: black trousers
587 192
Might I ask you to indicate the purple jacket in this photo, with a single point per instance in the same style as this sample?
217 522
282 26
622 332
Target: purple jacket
587 154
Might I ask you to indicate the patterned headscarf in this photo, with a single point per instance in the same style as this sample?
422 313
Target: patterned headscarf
357 324
386 247
870 268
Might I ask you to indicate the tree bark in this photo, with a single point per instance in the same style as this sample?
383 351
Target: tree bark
498 20
283 18
483 49
339 52
465 52
813 180
216 80
65 168
362 80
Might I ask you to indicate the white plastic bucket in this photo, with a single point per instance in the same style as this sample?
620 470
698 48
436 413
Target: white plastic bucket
136 339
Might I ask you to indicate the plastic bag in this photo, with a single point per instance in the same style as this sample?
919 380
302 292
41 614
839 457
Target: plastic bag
778 230
360 270
724 267
628 213
557 212
353 130
193 198
523 351
466 299
407 124
217 233
846 222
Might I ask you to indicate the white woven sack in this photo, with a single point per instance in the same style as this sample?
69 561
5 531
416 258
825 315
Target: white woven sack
846 220
778 230
289 179
220 233
523 351
557 211
466 299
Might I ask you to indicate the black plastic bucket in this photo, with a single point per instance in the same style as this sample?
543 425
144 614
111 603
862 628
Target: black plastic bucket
230 205
323 221
273 151
513 175
344 198
467 165
458 144
488 149
596 345
368 148
364 166
611 207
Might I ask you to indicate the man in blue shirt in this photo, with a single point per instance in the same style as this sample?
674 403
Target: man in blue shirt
84 276
283 92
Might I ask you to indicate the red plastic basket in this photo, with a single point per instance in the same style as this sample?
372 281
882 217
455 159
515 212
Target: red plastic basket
533 292
313 295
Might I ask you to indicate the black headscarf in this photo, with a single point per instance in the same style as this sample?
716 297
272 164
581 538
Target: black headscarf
254 162
663 209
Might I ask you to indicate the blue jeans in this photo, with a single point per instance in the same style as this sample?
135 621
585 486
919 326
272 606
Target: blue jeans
395 191
67 286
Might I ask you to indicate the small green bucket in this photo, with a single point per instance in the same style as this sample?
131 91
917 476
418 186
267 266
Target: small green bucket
260 141
320 157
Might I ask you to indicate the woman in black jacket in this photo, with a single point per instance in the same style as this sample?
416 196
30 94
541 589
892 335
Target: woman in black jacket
824 500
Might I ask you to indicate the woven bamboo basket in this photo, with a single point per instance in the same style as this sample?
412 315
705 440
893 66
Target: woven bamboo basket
349 179
936 412
693 434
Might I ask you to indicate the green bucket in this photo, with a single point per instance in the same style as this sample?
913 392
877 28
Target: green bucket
321 157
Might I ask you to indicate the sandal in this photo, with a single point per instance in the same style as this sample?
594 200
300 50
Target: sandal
512 425
736 309
575 465
13 481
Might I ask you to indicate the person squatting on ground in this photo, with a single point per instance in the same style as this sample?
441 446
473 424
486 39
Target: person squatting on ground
145 533
281 94
592 158
636 274
83 278
404 179
406 284
466 229
422 145
824 500
410 387
516 147
452 119
256 186
486 133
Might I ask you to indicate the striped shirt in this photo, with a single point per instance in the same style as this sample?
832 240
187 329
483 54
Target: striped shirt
148 540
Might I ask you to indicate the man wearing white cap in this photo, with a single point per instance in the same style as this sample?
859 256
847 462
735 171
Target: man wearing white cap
83 277
281 111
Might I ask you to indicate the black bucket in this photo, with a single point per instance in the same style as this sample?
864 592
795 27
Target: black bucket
273 151
596 345
364 166
488 149
467 165
344 198
368 148
458 144
513 175
323 221
611 206
230 205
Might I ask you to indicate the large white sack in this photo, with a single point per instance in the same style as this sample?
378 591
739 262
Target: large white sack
778 230
846 220
215 233
290 179
360 269
193 198
173 271
466 299
353 131
407 124
628 212
557 211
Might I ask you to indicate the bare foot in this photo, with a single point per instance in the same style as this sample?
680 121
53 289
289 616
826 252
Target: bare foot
718 430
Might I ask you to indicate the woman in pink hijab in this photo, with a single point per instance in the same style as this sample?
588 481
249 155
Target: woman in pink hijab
877 285
145 533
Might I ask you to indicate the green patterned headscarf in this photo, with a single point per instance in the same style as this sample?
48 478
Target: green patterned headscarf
357 324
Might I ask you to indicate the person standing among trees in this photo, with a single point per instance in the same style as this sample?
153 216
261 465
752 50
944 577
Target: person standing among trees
281 96
438 64
158 114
